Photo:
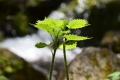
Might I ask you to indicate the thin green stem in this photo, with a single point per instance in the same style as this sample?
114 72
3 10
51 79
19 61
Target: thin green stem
65 60
52 65
53 59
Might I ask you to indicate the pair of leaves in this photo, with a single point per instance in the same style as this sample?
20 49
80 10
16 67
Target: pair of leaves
74 24
70 44
56 26
71 39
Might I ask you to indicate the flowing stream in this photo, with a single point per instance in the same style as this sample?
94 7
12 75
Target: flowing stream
25 47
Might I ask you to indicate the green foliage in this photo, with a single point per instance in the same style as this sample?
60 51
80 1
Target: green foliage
114 76
52 26
57 29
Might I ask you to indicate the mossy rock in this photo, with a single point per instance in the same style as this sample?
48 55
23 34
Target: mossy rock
15 68
92 64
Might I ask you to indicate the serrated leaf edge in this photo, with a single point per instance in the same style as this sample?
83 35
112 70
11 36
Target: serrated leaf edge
67 36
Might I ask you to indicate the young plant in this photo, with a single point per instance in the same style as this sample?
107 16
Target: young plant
57 30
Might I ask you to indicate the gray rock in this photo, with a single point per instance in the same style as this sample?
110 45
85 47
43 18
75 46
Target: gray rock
93 64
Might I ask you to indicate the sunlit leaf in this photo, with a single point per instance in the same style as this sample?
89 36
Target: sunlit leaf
77 23
61 24
55 23
75 37
51 25
44 26
69 45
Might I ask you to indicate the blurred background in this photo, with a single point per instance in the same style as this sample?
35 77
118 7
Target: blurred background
18 37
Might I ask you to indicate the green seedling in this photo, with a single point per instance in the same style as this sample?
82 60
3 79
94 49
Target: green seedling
57 30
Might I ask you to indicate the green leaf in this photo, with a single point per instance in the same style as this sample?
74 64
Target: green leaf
55 23
44 26
114 76
61 24
50 22
41 45
75 37
77 23
51 25
69 45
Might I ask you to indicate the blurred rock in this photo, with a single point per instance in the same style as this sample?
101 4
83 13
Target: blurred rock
93 64
111 40
15 68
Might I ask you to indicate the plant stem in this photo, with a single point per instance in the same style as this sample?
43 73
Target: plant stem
52 65
65 60
53 59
